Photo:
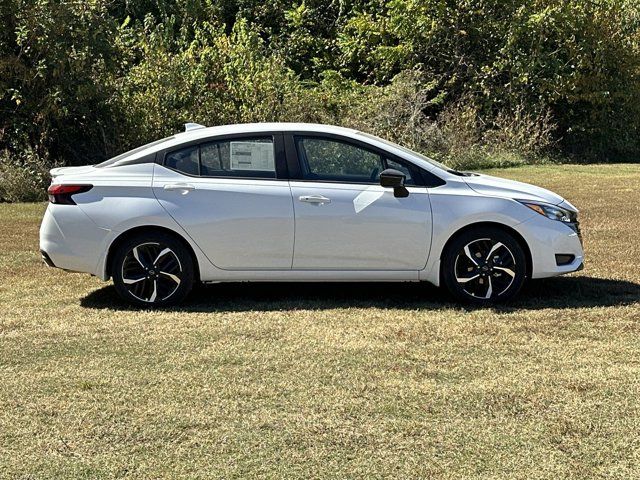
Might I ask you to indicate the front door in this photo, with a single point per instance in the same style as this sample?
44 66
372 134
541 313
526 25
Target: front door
227 196
344 219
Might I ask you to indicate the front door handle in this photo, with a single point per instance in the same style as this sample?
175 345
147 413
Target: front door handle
183 188
316 199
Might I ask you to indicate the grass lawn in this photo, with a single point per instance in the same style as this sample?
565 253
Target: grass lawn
330 381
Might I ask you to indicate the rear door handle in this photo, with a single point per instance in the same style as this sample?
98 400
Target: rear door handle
183 188
317 199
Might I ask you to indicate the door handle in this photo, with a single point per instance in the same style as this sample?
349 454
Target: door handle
183 188
316 199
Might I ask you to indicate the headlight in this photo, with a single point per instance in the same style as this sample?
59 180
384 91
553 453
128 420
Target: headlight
551 211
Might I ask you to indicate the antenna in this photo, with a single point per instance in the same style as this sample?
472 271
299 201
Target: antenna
192 126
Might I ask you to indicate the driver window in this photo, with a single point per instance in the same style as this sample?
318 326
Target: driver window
402 168
332 160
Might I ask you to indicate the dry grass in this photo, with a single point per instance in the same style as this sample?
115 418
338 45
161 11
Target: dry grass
322 381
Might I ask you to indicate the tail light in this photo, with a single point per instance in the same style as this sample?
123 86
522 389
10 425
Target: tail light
62 194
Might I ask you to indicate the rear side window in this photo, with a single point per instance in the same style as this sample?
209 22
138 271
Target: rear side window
185 160
242 157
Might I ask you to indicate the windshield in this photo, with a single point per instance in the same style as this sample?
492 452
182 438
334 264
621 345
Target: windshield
131 153
409 151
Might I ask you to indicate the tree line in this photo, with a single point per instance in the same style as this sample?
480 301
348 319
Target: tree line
470 82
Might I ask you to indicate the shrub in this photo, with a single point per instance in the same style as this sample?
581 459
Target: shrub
579 60
24 178
473 83
460 137
469 141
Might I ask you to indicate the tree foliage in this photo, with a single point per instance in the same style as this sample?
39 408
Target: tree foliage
462 80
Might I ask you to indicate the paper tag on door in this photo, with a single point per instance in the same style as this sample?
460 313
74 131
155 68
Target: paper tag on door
252 156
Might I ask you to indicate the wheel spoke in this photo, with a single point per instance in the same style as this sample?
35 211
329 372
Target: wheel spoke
506 270
136 255
162 254
468 254
153 296
130 281
489 289
465 280
493 249
173 277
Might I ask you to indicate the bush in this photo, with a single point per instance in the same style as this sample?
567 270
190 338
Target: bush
23 179
577 60
469 141
460 137
473 83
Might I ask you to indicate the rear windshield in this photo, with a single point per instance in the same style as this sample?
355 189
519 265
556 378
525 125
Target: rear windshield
131 153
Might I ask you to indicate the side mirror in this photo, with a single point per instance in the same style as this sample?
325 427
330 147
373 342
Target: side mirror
391 178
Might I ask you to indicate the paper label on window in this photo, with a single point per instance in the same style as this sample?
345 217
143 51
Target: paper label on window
252 156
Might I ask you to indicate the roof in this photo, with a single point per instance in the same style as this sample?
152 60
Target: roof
198 133
262 127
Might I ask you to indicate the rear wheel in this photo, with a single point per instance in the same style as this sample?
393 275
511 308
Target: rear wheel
484 265
153 270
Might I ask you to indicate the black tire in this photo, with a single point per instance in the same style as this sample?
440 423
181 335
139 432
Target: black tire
153 270
484 265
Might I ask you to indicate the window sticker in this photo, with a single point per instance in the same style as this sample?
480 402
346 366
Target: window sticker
252 156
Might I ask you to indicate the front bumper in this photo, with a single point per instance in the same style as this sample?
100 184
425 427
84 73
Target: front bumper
547 239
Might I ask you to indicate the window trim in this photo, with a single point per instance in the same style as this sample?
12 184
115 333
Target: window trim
281 172
294 160
287 162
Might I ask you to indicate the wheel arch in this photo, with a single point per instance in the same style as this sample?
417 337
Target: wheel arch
149 229
510 230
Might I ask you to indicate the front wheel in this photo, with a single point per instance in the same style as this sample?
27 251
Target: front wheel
153 270
484 265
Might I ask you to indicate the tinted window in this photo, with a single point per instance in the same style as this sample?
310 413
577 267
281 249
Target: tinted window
185 160
332 160
246 157
243 157
402 168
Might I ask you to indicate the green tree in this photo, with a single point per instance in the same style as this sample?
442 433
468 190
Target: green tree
54 58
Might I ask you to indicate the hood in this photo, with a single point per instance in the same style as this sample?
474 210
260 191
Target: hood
58 172
500 187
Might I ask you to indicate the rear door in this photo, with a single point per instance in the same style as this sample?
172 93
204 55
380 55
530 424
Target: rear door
232 197
344 219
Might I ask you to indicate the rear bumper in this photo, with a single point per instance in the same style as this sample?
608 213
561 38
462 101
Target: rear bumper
70 240
47 259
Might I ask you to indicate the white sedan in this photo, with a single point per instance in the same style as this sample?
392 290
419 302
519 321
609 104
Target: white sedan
300 202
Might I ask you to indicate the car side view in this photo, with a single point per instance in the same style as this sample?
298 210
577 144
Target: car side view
300 202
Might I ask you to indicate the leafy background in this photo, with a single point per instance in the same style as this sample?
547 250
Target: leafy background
473 83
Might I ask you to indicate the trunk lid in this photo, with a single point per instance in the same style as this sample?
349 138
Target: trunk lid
61 171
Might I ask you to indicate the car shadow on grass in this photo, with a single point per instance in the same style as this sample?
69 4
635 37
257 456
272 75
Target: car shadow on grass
560 293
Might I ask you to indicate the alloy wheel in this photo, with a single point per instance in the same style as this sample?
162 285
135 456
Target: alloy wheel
485 268
151 272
